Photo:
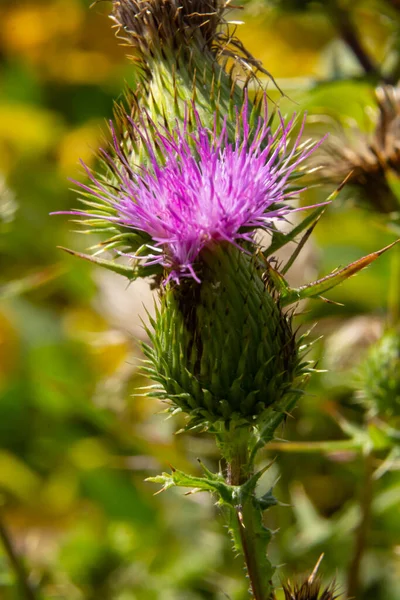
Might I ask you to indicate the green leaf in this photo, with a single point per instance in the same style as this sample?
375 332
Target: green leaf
276 278
280 239
267 500
319 287
212 483
130 272
273 418
301 244
246 490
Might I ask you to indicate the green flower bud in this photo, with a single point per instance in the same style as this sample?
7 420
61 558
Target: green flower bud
380 377
222 348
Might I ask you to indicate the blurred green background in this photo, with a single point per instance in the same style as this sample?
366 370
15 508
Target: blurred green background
76 438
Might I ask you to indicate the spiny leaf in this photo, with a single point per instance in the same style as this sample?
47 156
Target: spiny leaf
215 484
301 244
274 417
279 282
129 272
319 287
247 490
280 239
267 500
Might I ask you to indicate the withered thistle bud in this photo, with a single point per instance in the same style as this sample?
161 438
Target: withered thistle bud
181 50
368 160
151 25
309 590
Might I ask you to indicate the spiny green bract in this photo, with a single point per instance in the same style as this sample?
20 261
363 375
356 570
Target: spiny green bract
222 349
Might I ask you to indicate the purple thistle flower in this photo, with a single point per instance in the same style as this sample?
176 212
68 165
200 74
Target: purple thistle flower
199 188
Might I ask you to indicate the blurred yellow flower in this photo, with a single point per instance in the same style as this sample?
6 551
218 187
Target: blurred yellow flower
26 130
80 143
28 27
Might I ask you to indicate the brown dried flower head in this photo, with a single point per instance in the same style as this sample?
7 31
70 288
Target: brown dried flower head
309 590
175 28
368 159
146 24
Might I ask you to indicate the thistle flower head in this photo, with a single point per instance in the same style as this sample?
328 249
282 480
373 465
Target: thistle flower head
184 51
151 24
309 590
181 47
368 159
197 190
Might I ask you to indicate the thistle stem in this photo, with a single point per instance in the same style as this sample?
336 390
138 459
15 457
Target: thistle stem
261 589
345 26
353 579
249 523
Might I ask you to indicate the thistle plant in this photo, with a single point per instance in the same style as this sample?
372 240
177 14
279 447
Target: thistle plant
370 161
179 49
194 171
370 164
379 379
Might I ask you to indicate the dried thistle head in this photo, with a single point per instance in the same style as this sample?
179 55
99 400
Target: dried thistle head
185 53
165 29
368 160
309 590
149 24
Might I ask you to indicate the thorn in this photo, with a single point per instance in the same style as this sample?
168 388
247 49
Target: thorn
315 570
172 468
241 520
330 301
345 180
193 491
288 414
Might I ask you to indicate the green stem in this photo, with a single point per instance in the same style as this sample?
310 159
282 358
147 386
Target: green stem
343 22
253 536
261 586
353 579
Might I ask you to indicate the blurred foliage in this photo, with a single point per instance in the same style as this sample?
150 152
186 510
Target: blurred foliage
76 437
